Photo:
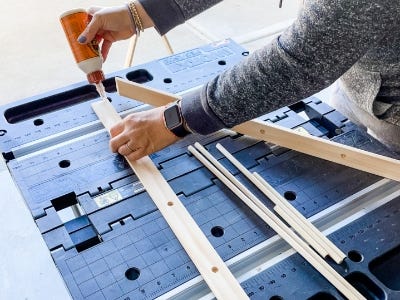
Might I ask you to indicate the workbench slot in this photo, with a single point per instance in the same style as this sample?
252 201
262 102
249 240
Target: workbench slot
64 201
49 104
139 76
366 286
386 268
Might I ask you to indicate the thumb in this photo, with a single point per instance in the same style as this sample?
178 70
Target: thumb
92 28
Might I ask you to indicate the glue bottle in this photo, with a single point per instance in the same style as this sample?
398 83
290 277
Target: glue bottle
87 56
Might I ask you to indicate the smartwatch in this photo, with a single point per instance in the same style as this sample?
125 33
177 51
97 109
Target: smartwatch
173 120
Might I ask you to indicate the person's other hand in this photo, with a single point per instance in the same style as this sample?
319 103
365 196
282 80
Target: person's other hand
140 134
109 24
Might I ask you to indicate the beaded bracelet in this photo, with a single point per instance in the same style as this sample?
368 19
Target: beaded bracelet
135 17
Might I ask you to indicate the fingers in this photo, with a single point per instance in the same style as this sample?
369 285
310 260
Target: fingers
136 154
140 134
105 48
92 28
117 136
117 129
117 142
128 149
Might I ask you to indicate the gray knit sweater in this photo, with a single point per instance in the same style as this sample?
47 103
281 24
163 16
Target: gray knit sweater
358 41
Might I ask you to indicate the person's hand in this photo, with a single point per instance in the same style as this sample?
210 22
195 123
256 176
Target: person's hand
140 134
109 24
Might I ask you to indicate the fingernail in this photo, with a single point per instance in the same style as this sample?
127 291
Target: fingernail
82 39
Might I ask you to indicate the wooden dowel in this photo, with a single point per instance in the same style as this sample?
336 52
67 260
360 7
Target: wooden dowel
312 235
286 233
302 231
132 47
334 252
167 44
210 265
131 51
289 218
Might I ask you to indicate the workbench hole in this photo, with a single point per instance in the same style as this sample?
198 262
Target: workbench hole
167 80
64 163
222 62
132 273
245 53
290 195
276 297
38 122
217 231
3 132
355 256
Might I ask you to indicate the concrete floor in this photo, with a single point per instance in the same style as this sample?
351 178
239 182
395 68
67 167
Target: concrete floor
35 58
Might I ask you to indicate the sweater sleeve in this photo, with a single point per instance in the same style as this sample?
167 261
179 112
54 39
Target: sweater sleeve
327 38
167 14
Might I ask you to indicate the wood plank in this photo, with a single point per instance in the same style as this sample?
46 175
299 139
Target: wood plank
143 93
329 150
342 154
285 232
210 265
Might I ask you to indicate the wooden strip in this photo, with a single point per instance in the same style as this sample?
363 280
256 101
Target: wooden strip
167 44
334 252
292 221
312 235
342 154
302 231
144 94
286 233
213 269
131 51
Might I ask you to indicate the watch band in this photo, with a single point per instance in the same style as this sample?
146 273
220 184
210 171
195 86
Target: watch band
174 121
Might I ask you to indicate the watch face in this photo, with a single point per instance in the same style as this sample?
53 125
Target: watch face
172 117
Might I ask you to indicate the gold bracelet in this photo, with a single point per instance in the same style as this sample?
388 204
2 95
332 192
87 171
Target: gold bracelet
136 18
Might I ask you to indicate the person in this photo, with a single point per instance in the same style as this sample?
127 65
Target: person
353 44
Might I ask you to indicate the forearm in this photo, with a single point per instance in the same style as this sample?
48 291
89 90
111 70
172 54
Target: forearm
324 42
